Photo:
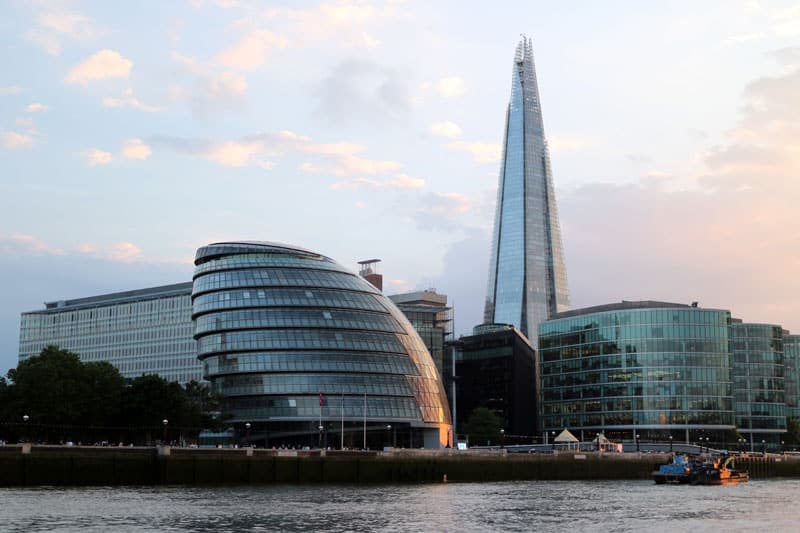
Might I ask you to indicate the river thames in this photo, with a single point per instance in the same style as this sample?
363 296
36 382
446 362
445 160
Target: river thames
766 505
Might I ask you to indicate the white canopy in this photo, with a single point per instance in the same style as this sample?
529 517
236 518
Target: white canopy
566 436
602 438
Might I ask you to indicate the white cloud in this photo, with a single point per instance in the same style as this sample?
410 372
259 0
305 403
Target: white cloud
400 181
129 100
251 51
451 87
32 244
311 168
234 153
445 129
11 89
16 141
122 251
95 157
360 205
560 143
228 85
45 40
36 108
101 65
72 24
482 152
52 27
136 149
349 165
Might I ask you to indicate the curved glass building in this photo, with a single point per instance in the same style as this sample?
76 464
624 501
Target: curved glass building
308 353
652 369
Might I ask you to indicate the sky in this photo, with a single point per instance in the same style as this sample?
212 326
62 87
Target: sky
132 133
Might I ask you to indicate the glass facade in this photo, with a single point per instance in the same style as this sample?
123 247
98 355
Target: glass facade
147 331
527 274
433 321
648 368
791 358
758 374
293 341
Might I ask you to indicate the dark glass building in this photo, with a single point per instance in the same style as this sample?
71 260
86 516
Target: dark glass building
653 369
496 369
308 353
758 375
527 275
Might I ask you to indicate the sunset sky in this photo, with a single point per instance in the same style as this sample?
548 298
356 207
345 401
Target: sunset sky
131 133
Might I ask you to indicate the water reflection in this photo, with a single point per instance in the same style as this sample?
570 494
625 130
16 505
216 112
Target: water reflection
511 506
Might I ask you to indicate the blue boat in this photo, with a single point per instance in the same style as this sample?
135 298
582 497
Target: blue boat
676 472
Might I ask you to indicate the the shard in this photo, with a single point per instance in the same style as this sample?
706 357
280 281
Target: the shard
527 275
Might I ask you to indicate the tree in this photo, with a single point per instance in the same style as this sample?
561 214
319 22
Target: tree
483 426
792 431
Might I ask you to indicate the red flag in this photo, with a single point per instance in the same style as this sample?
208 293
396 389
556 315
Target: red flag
320 398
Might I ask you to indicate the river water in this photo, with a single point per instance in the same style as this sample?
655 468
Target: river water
603 506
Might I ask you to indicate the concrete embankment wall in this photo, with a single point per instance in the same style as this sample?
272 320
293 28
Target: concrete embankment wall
64 466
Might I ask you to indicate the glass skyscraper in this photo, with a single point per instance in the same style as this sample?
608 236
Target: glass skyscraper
527 276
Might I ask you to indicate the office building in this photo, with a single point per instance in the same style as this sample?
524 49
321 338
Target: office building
307 352
496 369
527 276
432 318
653 369
758 383
791 359
145 331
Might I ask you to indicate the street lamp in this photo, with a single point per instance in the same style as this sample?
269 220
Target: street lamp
164 440
247 434
637 442
708 445
553 440
670 444
321 429
502 438
25 419
388 434
764 447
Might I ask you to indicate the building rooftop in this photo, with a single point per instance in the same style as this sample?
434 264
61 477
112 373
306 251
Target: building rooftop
58 306
620 306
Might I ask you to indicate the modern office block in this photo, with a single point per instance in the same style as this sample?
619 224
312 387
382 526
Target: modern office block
652 369
305 352
527 275
758 383
145 331
432 318
791 359
496 369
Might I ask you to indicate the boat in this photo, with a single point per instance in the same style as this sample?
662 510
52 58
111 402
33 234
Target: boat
675 473
718 473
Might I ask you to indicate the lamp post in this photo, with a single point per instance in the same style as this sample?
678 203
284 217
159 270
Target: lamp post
165 422
708 444
670 444
553 440
321 429
741 444
637 442
247 434
763 447
502 438
25 419
388 434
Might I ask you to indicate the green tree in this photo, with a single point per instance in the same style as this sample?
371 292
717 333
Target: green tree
52 390
483 427
792 431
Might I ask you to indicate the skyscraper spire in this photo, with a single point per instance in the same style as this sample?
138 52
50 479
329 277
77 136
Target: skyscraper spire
527 275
